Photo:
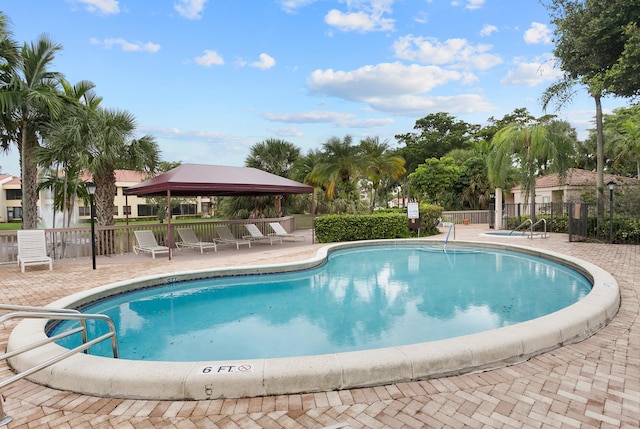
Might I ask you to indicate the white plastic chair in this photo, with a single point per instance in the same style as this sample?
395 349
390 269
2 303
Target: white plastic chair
225 236
32 249
147 243
190 240
256 235
279 231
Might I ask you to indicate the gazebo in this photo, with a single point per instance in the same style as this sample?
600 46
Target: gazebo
190 180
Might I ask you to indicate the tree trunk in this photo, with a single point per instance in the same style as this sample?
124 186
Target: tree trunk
29 179
105 191
599 160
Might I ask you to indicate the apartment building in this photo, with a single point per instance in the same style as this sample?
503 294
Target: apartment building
124 206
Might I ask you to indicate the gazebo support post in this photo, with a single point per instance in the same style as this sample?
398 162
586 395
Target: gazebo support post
169 229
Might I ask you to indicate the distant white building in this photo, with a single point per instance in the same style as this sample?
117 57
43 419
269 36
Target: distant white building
131 206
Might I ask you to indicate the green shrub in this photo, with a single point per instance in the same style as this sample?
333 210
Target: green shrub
334 228
429 218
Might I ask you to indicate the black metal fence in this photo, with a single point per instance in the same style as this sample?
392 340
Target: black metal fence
612 222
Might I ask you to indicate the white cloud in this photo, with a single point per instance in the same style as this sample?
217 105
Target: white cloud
470 4
363 16
190 9
474 4
422 18
456 52
105 7
286 132
414 105
210 58
358 21
339 119
265 62
291 6
313 117
488 30
382 80
532 73
128 46
538 33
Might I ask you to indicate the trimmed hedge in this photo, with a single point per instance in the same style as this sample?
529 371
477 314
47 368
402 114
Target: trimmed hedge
386 224
334 228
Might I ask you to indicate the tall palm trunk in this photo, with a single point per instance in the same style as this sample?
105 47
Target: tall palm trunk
29 174
599 159
105 190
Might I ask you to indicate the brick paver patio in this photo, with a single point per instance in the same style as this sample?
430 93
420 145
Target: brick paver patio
591 384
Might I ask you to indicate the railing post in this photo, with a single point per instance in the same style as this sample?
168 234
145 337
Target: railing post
4 419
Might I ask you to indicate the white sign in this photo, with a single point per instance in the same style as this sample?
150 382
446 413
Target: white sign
413 211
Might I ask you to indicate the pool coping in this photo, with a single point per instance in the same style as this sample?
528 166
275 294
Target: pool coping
259 377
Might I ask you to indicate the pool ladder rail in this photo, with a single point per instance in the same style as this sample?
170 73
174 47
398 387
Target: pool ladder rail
446 240
29 312
531 227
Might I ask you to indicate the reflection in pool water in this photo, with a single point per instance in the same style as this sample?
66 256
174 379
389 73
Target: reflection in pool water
362 298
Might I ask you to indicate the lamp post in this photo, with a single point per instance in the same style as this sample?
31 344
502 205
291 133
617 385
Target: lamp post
91 189
611 185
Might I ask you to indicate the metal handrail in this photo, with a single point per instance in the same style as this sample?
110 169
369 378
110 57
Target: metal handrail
531 227
520 226
28 312
545 227
446 240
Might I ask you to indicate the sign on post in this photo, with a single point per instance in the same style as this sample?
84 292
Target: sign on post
413 211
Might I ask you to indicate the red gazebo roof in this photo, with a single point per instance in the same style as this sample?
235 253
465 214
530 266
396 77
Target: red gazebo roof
209 180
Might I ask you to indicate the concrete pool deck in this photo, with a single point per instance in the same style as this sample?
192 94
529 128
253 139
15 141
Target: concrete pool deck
594 383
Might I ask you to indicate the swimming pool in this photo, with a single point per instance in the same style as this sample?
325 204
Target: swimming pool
363 298
256 377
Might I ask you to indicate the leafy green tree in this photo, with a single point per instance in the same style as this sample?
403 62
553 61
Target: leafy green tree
628 147
596 47
622 148
64 143
532 148
436 134
340 168
29 100
112 146
433 178
473 185
274 156
383 169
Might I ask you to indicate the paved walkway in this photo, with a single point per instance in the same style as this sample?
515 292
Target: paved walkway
592 384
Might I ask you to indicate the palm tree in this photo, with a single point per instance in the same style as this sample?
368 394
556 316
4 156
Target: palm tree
112 146
65 141
628 146
276 157
29 100
340 168
532 148
383 167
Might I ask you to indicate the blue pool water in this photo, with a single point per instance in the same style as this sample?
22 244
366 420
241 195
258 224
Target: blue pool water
362 298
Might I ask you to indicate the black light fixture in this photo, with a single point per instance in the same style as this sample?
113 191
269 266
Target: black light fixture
611 185
91 189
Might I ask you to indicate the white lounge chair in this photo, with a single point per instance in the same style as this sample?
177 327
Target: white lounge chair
32 249
147 243
279 231
225 236
256 235
190 240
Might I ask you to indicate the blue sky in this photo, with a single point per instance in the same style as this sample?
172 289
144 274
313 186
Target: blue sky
210 78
